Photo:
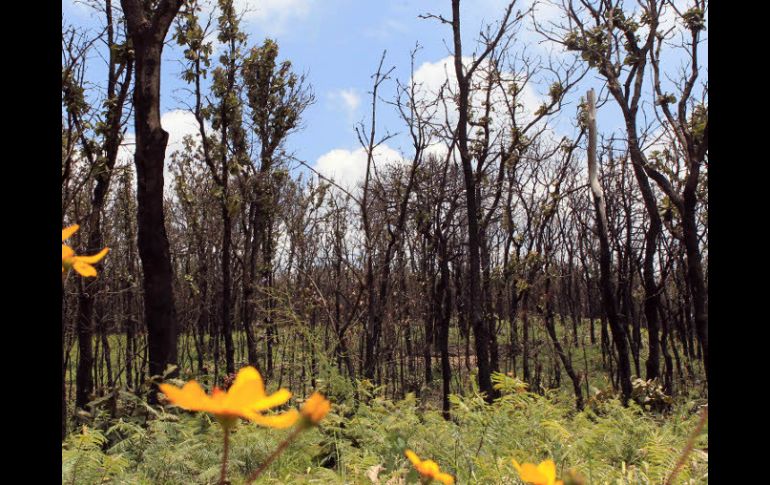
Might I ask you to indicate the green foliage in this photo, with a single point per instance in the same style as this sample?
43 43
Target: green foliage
698 121
363 442
84 462
592 44
694 20
73 94
276 95
191 35
508 385
665 99
649 394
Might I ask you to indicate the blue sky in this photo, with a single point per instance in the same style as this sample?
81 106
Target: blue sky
338 43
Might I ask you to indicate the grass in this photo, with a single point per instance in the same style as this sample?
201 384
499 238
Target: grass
124 440
359 440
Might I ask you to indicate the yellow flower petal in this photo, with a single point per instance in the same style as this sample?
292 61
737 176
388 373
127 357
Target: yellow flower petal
278 421
548 469
273 400
315 408
530 473
412 457
191 397
95 258
542 474
245 398
251 376
69 231
429 468
84 269
66 252
247 389
81 264
445 478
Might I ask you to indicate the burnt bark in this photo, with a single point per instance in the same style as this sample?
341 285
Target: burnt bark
147 36
609 302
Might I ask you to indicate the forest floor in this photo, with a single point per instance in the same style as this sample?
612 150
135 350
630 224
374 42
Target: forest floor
123 440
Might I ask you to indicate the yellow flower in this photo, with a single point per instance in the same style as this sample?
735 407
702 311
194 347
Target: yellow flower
315 408
542 474
428 469
245 399
81 264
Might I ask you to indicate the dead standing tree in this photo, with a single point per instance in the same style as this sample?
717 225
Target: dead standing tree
227 118
75 45
102 154
373 326
379 291
611 42
620 44
689 124
147 28
464 75
608 292
277 97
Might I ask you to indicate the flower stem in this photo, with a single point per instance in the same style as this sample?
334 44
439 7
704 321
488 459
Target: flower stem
223 474
689 446
275 454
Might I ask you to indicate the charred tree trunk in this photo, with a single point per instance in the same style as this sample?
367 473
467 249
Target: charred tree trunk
565 360
63 368
248 304
474 299
147 36
445 295
84 380
695 274
619 336
117 93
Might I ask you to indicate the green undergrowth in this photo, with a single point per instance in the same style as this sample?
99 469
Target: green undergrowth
363 442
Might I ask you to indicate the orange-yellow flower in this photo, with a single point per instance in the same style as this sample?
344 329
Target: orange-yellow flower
81 264
429 470
246 398
542 474
315 408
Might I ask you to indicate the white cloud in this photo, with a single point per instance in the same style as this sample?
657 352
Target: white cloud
178 123
274 16
126 150
438 149
547 12
348 168
347 100
431 76
351 98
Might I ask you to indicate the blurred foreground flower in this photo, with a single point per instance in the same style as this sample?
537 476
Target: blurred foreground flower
542 474
429 469
312 412
245 399
314 409
81 264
